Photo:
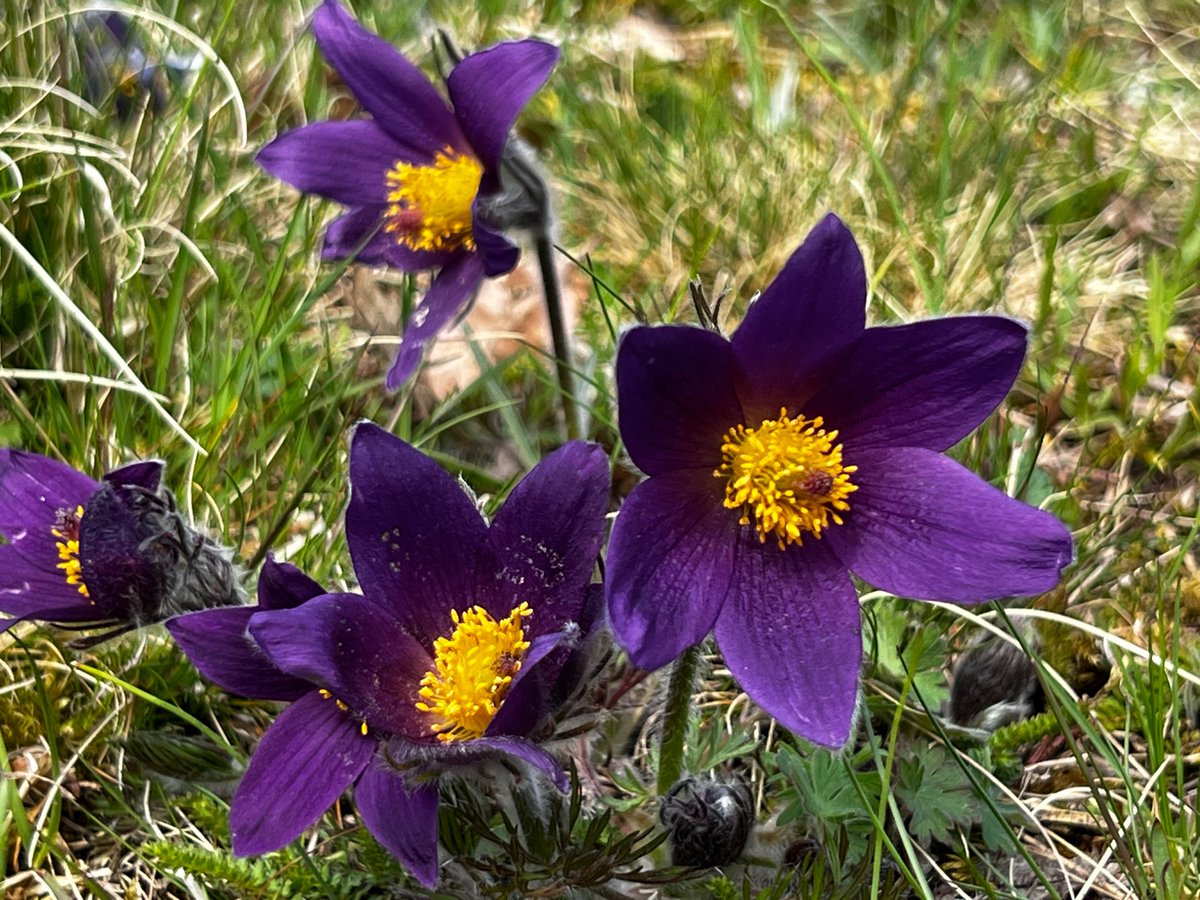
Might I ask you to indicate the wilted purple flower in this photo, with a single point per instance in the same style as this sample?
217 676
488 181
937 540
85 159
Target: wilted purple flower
452 653
800 450
421 177
109 554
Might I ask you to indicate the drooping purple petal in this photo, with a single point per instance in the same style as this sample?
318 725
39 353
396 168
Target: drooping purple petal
355 649
670 561
361 235
394 91
403 819
282 586
450 294
675 397
527 751
317 159
307 758
546 538
499 254
928 384
23 607
451 754
791 636
922 526
143 473
216 642
414 534
812 313
490 88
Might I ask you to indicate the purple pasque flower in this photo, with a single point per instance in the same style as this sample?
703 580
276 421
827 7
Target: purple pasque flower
421 176
110 554
452 653
803 449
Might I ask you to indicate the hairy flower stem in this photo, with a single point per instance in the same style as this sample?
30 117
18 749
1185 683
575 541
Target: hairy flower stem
558 330
675 719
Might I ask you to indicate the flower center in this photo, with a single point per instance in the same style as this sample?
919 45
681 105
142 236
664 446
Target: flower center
66 529
788 474
431 205
473 670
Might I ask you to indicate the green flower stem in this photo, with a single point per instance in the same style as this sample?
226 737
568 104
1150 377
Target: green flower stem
558 330
675 718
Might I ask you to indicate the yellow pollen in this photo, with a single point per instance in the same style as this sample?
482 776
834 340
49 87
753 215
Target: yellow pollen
431 205
787 474
66 529
473 670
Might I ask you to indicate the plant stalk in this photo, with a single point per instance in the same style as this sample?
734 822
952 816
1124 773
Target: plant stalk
558 331
675 718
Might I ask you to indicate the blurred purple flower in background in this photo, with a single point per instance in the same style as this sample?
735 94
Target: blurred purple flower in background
422 177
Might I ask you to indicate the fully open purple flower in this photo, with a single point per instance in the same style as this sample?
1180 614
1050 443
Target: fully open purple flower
805 448
421 176
452 653
112 554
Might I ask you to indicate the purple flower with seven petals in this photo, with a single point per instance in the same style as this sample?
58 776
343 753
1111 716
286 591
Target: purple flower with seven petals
452 653
110 554
421 177
805 448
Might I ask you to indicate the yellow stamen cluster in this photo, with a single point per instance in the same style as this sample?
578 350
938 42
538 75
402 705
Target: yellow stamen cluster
473 670
66 529
431 205
788 474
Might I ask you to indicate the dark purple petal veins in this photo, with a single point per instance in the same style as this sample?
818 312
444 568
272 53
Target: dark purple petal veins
928 384
791 637
490 88
675 397
414 534
922 526
811 314
394 91
307 758
670 564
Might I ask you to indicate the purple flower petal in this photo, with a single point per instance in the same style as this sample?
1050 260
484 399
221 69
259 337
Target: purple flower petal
360 235
811 313
356 650
499 254
414 534
791 636
526 751
675 397
307 758
450 294
546 538
928 384
144 473
315 159
403 819
490 88
670 560
922 526
282 586
216 642
389 87
22 608
529 695
33 488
